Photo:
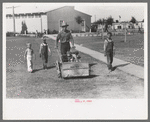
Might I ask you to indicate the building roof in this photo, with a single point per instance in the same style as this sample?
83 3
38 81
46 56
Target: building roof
123 22
44 13
67 6
25 14
83 13
58 8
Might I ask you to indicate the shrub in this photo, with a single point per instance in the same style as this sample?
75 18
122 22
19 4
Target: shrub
10 34
77 31
54 32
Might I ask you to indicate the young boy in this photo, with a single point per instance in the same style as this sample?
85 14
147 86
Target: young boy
28 55
109 50
44 52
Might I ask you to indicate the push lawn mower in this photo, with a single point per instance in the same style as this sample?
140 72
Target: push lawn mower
71 68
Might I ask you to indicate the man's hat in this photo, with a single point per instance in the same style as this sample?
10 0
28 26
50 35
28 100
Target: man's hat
64 24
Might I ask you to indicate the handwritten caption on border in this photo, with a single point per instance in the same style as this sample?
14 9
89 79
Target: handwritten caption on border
82 101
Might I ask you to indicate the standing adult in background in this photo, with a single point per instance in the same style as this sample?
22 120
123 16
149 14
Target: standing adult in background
37 34
44 52
65 38
44 31
139 29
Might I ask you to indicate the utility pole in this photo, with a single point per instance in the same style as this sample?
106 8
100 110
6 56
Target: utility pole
41 25
125 33
14 21
102 29
95 18
13 17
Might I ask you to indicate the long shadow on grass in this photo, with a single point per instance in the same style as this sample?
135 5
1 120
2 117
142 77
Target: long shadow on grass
82 77
36 70
51 67
92 64
120 65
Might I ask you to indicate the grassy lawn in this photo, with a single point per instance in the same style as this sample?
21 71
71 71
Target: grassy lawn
131 51
45 83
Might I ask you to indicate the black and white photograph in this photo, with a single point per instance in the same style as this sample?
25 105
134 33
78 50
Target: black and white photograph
75 61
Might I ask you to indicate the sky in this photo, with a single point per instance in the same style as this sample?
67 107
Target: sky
96 10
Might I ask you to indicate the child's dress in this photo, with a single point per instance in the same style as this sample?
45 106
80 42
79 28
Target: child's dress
29 53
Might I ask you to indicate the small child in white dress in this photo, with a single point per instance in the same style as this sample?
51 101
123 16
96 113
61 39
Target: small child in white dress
29 54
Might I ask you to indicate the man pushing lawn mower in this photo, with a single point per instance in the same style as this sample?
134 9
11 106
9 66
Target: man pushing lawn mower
65 38
69 65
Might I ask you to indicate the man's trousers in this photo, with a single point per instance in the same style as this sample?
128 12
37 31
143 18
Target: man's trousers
64 48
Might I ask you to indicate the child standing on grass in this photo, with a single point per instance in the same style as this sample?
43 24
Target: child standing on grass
29 54
109 50
44 53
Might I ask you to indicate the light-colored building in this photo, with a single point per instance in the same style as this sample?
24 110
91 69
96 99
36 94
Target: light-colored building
122 25
34 21
139 24
117 26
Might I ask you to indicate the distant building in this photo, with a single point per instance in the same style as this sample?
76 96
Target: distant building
34 21
122 25
139 24
117 26
68 14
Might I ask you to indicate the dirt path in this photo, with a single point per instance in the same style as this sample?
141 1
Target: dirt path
45 84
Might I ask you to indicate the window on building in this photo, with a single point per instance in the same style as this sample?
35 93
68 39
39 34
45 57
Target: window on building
119 27
61 21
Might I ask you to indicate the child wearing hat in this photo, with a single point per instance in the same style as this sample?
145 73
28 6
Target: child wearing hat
109 50
28 55
44 52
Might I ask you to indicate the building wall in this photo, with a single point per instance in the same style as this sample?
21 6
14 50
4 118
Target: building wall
87 19
65 13
33 24
115 26
123 25
68 15
139 24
